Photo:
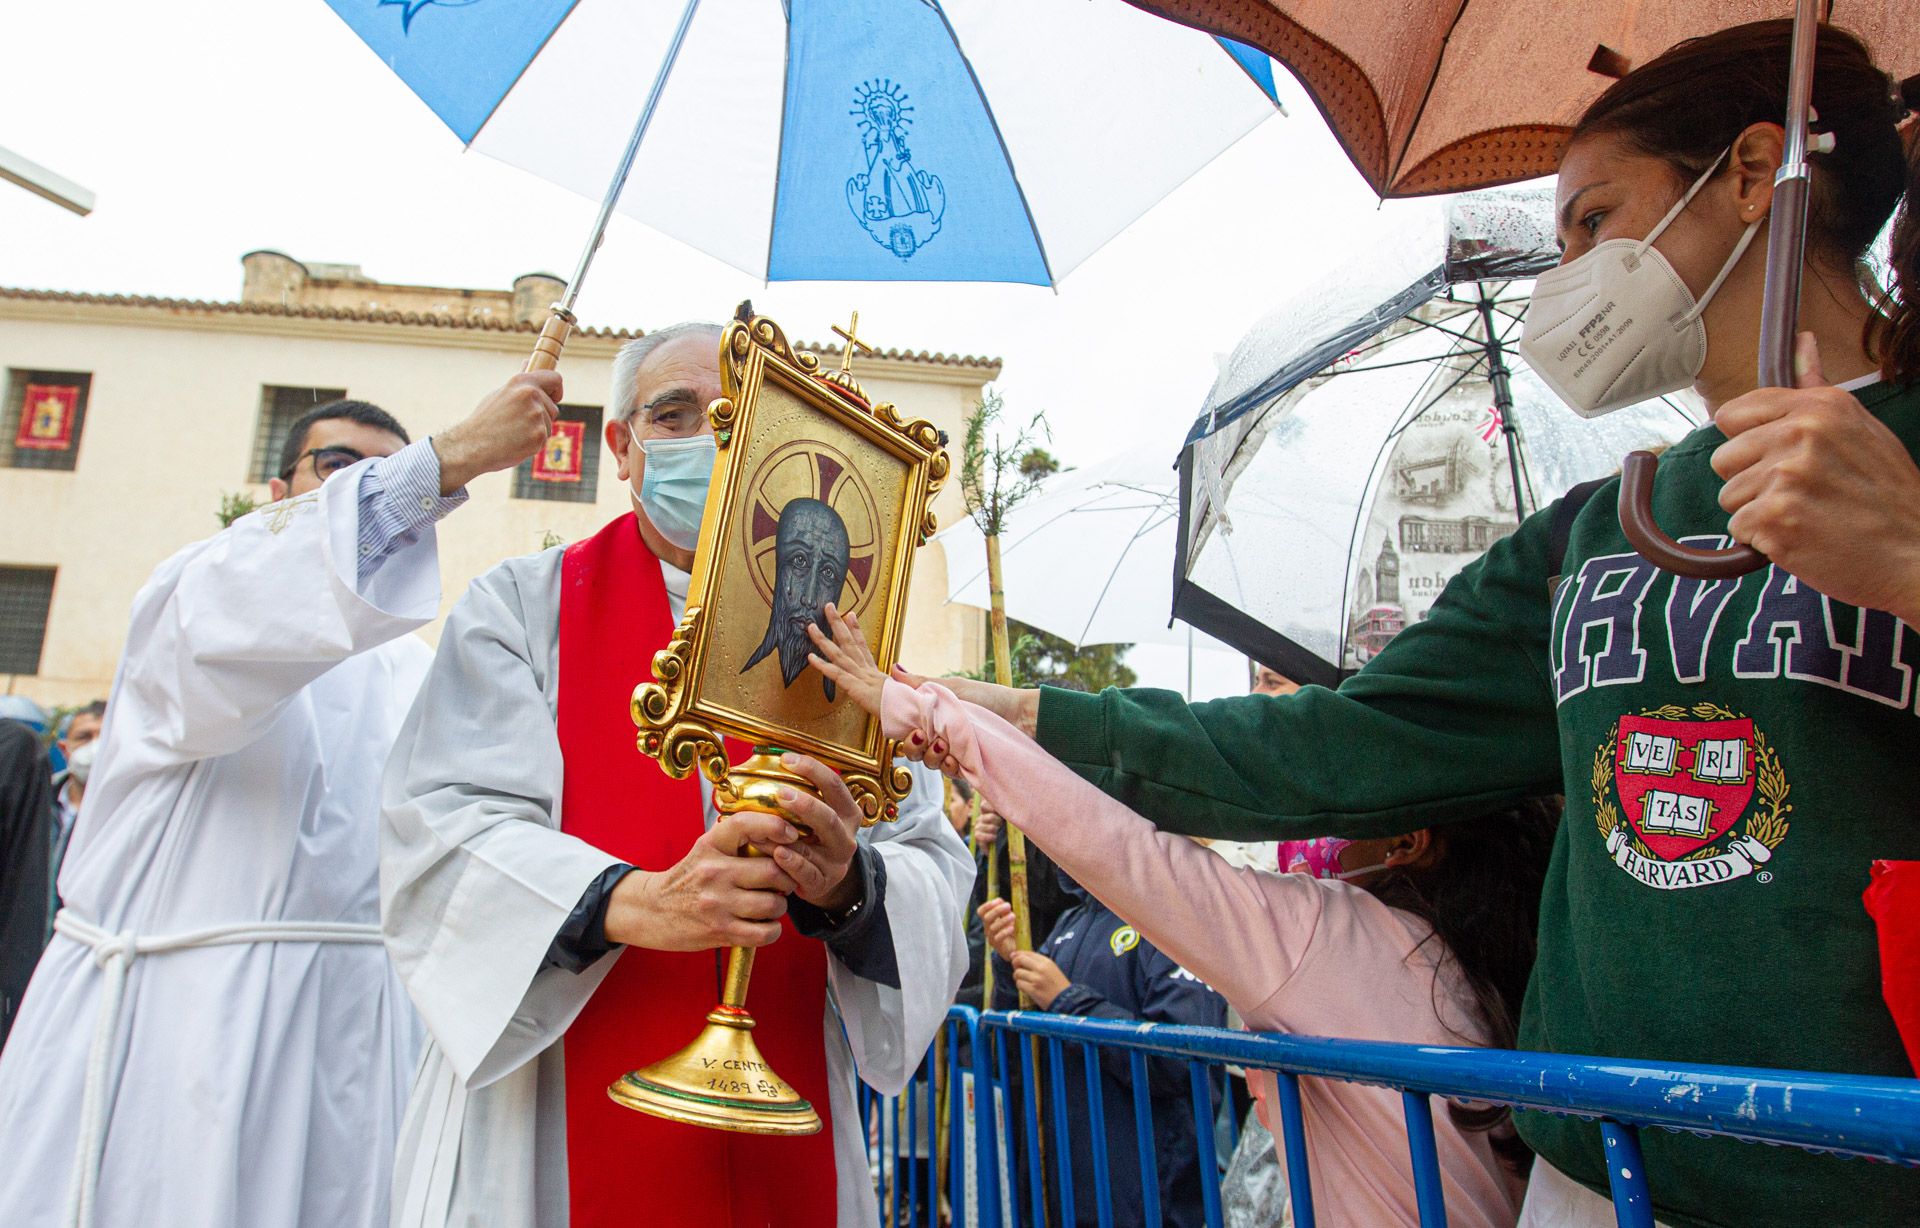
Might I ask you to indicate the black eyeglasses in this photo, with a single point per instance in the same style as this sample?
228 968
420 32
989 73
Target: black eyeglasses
326 462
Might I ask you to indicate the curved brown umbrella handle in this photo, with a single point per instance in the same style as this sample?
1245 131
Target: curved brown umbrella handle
1636 521
1786 249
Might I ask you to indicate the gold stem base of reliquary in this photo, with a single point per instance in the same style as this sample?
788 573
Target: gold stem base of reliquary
721 1081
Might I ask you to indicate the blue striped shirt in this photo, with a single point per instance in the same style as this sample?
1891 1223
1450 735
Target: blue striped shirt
399 500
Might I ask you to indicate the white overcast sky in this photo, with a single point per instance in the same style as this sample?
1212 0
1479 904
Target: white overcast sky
210 129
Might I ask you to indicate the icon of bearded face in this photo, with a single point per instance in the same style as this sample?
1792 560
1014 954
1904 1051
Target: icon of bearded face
810 567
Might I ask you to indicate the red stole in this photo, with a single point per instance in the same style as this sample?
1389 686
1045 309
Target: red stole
625 1167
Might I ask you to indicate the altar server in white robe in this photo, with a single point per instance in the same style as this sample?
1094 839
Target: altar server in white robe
545 965
215 1038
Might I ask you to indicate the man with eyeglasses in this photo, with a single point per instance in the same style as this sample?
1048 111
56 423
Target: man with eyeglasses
329 438
552 900
215 1037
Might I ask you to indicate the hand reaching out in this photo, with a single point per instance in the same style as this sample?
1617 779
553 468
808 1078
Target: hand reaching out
846 661
1019 708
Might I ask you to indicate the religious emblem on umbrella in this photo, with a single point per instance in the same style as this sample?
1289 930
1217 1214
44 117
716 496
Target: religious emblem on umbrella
409 9
899 205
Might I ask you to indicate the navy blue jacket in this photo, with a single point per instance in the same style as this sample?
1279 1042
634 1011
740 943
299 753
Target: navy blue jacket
1116 974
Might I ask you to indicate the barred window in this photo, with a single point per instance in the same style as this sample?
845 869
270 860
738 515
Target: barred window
280 408
46 433
26 593
568 469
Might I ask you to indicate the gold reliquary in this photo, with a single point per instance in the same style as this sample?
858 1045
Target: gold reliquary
818 495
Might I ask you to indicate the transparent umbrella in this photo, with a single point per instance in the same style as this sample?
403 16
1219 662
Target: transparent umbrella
1087 557
1351 460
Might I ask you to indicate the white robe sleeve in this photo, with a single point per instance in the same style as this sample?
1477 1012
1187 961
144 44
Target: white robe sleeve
475 876
929 880
229 630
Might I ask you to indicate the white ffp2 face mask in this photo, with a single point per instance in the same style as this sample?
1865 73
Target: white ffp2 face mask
80 760
1618 326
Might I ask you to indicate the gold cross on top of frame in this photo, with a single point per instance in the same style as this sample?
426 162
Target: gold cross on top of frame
851 335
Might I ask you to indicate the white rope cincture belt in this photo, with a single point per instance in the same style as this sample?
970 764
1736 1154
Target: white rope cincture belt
114 954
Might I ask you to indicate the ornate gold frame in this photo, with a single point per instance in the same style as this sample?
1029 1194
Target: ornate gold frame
683 730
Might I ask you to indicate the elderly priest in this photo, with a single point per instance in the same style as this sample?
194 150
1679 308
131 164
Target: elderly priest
546 965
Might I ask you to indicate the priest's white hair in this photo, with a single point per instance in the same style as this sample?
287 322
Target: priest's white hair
626 364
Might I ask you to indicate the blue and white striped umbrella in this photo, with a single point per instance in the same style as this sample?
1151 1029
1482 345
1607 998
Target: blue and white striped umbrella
840 140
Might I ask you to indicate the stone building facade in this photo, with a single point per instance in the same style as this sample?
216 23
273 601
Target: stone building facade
177 404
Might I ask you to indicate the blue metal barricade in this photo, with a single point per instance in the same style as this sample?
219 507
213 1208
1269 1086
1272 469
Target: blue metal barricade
957 1145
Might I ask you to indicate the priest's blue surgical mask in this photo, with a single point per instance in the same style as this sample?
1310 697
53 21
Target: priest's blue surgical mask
673 486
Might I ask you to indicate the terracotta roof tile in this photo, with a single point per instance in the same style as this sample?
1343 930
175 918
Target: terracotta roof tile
426 320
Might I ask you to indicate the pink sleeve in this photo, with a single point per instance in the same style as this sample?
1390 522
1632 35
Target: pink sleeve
1241 931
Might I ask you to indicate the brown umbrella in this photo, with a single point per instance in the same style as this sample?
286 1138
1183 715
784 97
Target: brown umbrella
1434 96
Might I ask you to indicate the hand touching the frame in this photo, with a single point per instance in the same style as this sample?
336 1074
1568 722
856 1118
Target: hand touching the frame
846 661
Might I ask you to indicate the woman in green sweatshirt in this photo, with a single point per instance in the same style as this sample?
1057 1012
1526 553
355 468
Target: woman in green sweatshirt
1734 754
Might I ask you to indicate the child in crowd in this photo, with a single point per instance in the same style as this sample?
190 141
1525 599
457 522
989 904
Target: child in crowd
1424 938
1092 963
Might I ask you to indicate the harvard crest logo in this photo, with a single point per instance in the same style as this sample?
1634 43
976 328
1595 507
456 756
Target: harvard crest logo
1689 797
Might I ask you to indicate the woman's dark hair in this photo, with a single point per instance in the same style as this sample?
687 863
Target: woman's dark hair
1481 895
1688 105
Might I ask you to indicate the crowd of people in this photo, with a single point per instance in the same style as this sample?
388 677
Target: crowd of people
325 927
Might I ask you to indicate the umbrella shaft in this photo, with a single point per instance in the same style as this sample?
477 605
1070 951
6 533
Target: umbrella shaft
1501 377
620 173
1787 236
